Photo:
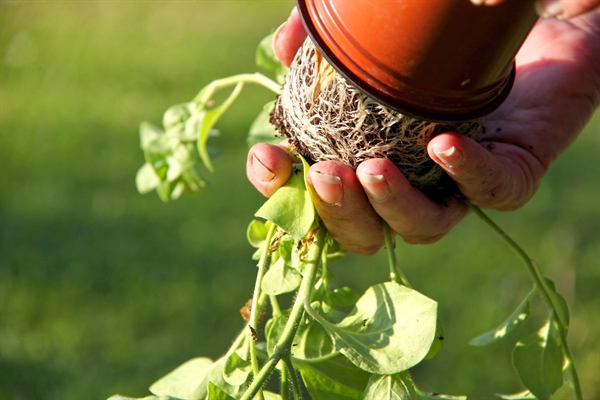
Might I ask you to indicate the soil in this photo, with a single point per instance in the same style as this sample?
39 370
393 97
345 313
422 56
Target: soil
325 118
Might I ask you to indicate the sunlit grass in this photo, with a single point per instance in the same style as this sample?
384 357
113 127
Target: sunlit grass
103 290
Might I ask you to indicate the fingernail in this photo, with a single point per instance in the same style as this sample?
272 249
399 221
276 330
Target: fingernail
450 157
328 187
375 186
262 173
549 8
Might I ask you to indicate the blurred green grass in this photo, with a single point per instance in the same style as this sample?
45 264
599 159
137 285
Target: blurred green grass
102 290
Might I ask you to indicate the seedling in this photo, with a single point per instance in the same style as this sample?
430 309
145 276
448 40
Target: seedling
329 343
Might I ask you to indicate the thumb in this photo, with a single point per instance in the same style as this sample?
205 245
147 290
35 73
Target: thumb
494 175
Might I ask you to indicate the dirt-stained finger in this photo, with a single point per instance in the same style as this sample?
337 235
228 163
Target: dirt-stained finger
494 175
344 208
268 167
409 212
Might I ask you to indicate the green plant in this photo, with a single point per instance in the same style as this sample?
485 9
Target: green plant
343 345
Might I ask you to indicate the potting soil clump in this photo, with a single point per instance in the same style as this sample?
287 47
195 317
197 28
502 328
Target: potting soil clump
325 118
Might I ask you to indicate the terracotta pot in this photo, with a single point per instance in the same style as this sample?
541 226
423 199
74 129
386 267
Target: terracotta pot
443 60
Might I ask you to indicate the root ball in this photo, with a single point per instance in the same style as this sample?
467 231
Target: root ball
325 118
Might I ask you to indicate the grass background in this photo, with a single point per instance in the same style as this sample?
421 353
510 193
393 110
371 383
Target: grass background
103 291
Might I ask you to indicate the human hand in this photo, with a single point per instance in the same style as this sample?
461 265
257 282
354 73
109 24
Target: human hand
561 9
556 91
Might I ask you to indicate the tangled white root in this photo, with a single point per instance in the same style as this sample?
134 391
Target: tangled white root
325 118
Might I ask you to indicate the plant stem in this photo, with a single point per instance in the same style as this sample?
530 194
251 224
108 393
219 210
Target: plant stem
275 305
256 303
542 286
285 383
292 377
207 92
395 270
284 344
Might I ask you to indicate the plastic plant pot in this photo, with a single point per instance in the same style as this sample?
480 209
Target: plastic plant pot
439 60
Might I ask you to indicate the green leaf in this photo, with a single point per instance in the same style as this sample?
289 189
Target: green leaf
146 179
148 134
176 116
271 396
190 380
236 370
273 330
538 360
119 397
287 250
525 395
266 58
312 342
172 161
257 232
438 341
438 396
519 315
261 130
156 152
560 303
291 207
333 379
216 393
280 278
335 251
208 118
391 387
344 296
390 329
